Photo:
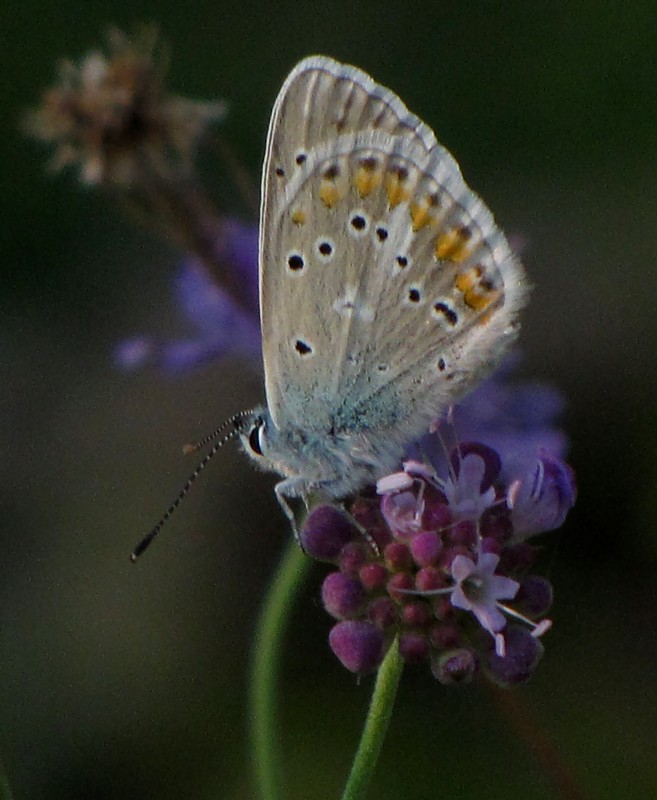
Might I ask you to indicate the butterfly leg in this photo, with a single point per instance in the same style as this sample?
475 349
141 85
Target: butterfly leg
295 489
287 490
292 488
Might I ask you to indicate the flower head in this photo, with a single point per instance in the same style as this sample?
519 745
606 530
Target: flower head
442 559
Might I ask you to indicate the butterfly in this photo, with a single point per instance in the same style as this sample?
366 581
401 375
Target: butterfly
386 288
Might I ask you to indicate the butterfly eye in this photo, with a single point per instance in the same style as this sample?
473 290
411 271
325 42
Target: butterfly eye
255 437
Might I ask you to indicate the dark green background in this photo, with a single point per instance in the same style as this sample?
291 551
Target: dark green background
122 682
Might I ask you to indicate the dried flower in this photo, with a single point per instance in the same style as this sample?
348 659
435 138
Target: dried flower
112 117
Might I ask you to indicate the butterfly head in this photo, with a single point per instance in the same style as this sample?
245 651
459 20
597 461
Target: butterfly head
285 451
252 429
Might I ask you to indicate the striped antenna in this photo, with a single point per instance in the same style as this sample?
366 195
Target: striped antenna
190 448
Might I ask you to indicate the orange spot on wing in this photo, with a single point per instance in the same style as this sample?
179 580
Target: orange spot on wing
367 180
452 246
479 299
478 289
467 279
397 192
299 217
420 216
329 193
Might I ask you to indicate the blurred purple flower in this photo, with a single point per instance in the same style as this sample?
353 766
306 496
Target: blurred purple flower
516 419
221 326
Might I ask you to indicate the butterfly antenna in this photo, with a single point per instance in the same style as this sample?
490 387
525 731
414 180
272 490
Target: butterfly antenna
236 430
192 447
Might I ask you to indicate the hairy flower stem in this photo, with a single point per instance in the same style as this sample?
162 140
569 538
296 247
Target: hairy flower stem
376 725
266 667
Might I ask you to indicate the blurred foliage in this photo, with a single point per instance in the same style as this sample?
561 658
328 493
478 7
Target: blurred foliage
123 682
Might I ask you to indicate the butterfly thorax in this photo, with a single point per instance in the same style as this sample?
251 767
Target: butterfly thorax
335 461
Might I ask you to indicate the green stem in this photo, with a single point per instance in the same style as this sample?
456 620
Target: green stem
376 725
266 667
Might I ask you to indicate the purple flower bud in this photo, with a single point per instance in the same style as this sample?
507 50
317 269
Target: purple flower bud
428 579
400 580
382 612
450 553
416 614
534 597
413 647
342 596
397 557
436 514
358 645
542 498
454 666
522 653
325 532
444 635
366 511
489 545
381 536
353 556
425 548
462 533
373 576
443 609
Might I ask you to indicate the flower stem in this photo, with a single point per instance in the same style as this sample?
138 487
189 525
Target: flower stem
376 725
266 667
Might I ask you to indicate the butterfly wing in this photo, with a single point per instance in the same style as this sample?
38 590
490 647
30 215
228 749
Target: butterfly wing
385 286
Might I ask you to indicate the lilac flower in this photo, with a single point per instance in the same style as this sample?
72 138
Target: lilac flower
447 541
222 327
478 589
516 420
465 493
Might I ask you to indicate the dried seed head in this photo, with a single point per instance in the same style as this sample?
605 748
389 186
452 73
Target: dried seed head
112 117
